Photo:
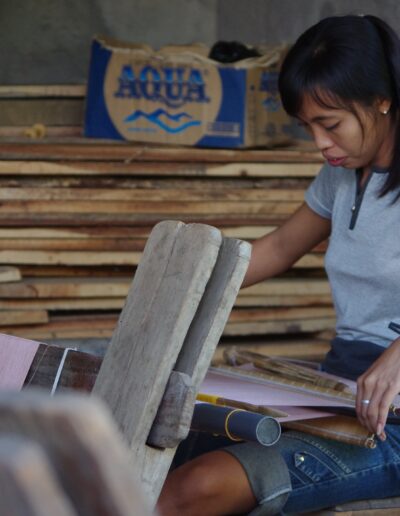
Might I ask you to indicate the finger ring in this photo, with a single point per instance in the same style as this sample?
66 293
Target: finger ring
365 402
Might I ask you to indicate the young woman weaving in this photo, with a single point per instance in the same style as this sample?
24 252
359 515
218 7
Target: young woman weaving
341 80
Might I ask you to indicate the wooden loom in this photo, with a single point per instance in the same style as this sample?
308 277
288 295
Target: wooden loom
174 315
175 312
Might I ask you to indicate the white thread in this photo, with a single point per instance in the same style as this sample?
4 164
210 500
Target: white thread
59 370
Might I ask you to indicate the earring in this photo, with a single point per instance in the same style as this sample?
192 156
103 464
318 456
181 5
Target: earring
385 112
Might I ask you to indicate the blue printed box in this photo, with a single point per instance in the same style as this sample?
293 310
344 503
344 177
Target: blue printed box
179 96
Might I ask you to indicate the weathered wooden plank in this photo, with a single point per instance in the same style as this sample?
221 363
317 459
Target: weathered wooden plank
83 447
122 258
177 263
52 304
116 303
118 233
301 300
61 288
300 348
119 286
29 486
135 219
280 314
17 167
23 317
149 194
290 286
169 182
60 271
88 149
207 323
78 244
293 326
161 208
81 233
49 331
70 258
204 333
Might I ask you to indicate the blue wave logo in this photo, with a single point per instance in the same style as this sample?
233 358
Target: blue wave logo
155 118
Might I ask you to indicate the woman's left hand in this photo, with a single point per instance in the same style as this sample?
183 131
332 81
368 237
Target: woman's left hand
377 387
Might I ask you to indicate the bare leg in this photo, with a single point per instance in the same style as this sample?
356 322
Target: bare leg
213 484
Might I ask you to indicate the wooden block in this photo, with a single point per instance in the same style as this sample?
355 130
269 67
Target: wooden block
28 484
83 447
275 301
172 422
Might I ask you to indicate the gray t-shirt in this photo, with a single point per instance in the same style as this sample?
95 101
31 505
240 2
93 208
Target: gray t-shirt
363 256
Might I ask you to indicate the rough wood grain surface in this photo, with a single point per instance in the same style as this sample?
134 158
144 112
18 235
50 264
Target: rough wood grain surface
89 149
83 447
169 284
29 486
170 317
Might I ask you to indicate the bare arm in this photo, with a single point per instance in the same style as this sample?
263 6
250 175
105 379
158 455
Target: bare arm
276 252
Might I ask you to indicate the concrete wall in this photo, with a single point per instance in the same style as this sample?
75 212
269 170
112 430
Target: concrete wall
48 41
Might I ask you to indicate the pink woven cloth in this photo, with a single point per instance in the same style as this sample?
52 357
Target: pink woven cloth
16 357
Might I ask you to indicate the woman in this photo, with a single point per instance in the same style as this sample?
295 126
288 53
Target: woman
341 80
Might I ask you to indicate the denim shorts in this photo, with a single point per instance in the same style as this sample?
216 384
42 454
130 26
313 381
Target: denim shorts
303 473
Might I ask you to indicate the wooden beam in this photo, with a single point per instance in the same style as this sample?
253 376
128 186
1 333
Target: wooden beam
42 90
22 317
180 195
89 149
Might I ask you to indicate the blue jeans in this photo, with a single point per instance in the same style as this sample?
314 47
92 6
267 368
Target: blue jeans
322 472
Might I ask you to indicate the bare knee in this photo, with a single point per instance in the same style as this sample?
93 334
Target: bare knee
214 483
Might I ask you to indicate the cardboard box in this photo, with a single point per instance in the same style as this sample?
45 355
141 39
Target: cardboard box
179 96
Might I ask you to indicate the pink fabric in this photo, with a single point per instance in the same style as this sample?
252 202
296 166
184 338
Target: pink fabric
16 357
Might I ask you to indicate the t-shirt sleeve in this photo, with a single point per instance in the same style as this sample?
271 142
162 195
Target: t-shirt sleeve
320 195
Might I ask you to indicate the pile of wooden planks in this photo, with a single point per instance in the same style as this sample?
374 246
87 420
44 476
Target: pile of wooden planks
75 215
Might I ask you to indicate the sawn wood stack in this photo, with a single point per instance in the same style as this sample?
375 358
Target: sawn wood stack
75 214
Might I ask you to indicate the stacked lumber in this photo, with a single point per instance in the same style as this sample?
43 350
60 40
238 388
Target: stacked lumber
75 215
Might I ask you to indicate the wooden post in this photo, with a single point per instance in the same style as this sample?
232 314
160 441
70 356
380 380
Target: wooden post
176 309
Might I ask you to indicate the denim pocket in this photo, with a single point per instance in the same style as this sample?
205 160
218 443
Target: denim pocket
312 467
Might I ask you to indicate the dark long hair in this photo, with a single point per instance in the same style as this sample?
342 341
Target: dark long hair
343 60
